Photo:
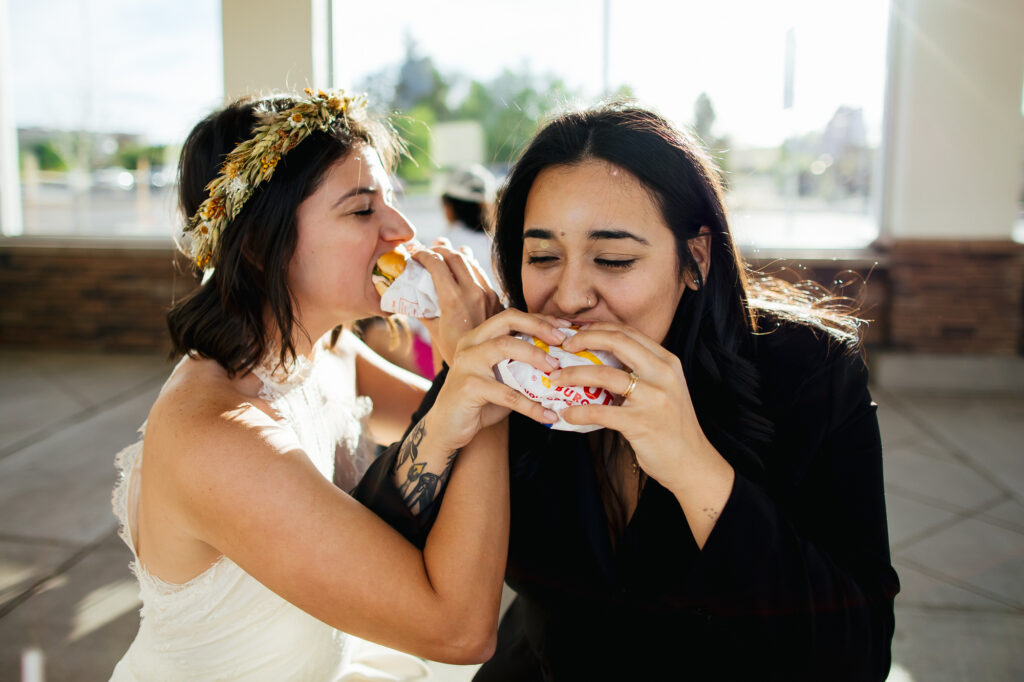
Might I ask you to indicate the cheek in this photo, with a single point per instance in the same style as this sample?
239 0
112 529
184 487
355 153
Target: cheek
535 291
648 302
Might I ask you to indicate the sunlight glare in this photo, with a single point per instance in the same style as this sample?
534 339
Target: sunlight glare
104 605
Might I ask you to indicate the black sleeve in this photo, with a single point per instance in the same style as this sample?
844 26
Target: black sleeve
806 571
377 490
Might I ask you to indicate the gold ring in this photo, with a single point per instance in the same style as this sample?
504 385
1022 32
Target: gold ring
633 380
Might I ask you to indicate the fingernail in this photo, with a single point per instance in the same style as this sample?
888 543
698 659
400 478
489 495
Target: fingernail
554 375
559 334
552 361
550 416
563 323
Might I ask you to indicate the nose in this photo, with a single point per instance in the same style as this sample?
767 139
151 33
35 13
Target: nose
396 228
573 292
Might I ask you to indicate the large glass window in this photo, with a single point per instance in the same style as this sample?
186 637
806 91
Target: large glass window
104 92
787 95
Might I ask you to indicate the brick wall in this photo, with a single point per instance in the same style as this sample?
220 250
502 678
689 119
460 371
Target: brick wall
921 296
91 296
862 278
959 297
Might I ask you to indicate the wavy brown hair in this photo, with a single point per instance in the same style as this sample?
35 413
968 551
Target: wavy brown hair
226 317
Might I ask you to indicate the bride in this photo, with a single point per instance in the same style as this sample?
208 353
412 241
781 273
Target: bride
252 563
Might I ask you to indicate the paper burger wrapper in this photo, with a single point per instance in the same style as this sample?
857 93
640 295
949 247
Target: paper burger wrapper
412 293
537 385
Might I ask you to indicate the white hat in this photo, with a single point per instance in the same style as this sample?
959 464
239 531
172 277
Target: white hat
471 183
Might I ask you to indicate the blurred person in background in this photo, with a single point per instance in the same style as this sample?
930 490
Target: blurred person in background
468 203
727 521
251 563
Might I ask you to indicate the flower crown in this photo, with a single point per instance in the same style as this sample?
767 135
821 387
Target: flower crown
253 161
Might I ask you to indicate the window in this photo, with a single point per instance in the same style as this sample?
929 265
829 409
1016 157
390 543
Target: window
787 95
104 92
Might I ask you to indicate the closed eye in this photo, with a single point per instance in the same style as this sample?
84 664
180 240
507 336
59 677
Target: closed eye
539 260
615 264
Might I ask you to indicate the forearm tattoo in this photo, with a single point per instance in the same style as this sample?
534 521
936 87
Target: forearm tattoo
419 487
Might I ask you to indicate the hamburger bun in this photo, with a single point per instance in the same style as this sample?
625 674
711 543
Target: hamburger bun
389 266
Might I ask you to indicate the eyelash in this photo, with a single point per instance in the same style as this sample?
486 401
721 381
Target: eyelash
365 212
611 264
615 264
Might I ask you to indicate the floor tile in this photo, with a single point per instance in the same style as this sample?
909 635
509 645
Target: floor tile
909 518
97 378
29 401
988 557
1009 514
937 646
920 589
59 488
925 447
988 429
83 621
23 564
897 429
948 482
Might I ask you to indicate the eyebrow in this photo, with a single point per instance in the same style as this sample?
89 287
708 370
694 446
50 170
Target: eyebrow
593 235
355 192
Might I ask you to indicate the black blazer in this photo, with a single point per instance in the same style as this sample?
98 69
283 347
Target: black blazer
794 582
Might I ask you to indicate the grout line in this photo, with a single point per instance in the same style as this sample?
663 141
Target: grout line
1003 523
35 540
956 582
957 610
904 407
963 515
81 416
39 584
57 379
924 498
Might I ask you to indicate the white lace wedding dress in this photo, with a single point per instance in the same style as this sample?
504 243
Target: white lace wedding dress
225 625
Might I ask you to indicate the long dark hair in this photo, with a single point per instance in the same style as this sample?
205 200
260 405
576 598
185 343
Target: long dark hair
224 318
712 331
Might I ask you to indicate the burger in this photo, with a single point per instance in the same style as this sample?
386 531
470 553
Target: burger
405 286
538 386
389 266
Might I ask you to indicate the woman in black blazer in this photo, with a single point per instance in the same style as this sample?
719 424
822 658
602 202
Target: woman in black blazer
727 521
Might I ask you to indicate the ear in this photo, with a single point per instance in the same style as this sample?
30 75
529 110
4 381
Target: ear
700 249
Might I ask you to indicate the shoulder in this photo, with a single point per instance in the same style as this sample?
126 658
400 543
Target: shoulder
203 418
795 358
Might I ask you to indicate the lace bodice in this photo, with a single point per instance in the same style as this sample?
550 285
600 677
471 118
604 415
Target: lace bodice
223 623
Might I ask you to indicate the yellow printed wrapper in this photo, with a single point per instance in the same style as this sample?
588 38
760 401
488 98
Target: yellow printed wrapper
537 385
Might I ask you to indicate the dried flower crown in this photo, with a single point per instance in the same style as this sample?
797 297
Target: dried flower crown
253 161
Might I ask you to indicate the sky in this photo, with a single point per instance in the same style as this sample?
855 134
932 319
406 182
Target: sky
154 67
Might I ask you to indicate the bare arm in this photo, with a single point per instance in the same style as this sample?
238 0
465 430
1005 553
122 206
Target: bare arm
231 479
252 494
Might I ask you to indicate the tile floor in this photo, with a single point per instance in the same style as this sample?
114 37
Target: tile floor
955 490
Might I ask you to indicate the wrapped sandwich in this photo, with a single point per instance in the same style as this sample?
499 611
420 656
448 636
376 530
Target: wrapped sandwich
537 385
405 286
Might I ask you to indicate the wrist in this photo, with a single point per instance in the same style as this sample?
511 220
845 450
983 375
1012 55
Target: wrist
704 474
435 435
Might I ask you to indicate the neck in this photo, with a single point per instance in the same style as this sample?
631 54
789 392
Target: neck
302 344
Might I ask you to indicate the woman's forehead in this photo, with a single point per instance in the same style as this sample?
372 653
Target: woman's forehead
592 200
